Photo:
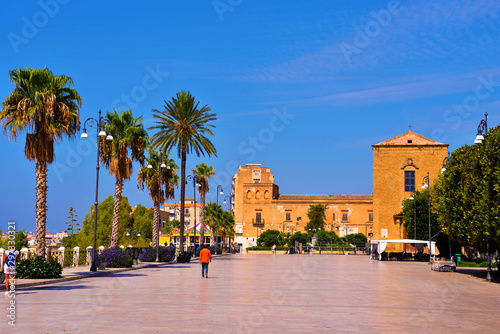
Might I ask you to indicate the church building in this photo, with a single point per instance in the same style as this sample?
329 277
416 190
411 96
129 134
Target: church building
400 165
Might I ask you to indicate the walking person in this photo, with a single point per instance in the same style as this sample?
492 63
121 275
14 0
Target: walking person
274 249
10 259
205 259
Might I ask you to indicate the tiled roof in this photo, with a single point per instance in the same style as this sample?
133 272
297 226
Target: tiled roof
410 138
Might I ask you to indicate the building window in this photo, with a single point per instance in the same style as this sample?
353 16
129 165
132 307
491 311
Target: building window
257 217
344 216
410 181
257 194
288 217
333 217
256 176
370 216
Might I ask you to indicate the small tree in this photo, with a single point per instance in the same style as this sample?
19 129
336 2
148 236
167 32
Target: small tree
299 237
327 237
71 224
20 240
356 239
317 216
272 237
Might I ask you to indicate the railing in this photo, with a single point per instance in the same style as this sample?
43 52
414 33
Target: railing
258 223
334 249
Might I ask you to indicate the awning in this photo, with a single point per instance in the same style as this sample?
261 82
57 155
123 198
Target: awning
380 245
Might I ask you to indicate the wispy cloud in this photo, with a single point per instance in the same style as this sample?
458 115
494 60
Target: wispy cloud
419 88
422 31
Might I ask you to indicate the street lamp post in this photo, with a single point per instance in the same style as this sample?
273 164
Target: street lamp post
483 128
194 178
228 198
158 158
219 189
99 124
413 198
426 184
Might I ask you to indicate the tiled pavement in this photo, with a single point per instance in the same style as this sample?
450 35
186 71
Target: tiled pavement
264 294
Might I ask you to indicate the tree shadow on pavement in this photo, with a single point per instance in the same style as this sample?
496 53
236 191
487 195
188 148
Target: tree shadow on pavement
495 277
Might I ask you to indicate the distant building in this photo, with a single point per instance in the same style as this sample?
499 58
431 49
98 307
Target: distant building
399 165
172 211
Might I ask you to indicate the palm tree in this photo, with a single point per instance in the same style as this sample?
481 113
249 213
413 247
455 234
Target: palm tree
128 134
203 173
212 213
44 106
148 177
227 222
185 126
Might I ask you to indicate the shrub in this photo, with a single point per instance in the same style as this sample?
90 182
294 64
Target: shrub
37 267
212 250
115 258
166 254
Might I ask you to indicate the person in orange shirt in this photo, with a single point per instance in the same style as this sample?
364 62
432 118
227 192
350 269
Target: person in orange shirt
205 258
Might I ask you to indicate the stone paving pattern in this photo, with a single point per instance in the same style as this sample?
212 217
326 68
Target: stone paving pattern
249 293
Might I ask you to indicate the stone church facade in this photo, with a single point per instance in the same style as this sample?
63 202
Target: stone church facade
399 166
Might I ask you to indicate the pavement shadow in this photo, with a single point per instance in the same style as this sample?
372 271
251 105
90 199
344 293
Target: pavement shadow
125 274
495 277
52 287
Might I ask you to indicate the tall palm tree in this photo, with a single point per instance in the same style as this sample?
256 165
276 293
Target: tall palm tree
47 108
212 213
148 177
128 134
184 125
227 222
203 173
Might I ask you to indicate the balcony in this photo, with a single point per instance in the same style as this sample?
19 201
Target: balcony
258 223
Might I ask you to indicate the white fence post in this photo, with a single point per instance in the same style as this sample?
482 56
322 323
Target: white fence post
60 255
76 256
24 253
89 254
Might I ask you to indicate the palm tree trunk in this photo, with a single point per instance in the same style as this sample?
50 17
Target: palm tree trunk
202 217
156 222
183 198
41 207
116 213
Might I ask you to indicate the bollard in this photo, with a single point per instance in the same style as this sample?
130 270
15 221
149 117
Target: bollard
76 256
24 253
89 255
60 255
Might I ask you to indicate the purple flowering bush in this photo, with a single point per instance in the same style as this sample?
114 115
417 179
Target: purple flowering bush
115 258
166 254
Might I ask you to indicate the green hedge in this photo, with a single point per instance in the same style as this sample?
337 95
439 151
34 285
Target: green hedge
37 267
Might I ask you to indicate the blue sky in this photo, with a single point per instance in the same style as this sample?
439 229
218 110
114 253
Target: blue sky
302 87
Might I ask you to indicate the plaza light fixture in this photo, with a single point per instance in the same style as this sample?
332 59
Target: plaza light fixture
414 218
445 161
425 184
194 178
228 198
99 124
219 190
158 158
483 128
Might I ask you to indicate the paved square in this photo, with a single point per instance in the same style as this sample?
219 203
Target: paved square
264 294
